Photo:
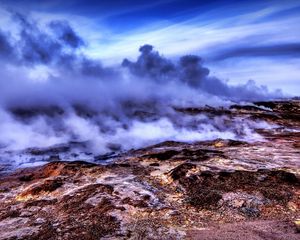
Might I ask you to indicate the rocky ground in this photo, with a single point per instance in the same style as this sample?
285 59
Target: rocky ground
221 189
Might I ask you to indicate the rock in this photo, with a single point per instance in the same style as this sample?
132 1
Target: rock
238 203
297 224
204 198
181 170
165 155
250 212
40 188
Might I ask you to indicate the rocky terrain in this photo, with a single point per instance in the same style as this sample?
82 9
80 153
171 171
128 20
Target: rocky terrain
219 189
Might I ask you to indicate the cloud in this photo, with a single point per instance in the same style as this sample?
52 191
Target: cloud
6 49
280 50
66 34
151 65
56 46
34 45
189 70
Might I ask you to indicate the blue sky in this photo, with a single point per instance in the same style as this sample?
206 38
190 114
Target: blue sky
239 40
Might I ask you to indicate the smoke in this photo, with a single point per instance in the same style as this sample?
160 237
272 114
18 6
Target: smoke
52 93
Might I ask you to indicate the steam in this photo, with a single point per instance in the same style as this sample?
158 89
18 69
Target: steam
51 93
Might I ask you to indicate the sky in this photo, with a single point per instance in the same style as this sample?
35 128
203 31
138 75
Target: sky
238 40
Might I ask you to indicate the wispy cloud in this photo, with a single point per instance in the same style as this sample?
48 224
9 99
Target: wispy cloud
282 50
203 36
